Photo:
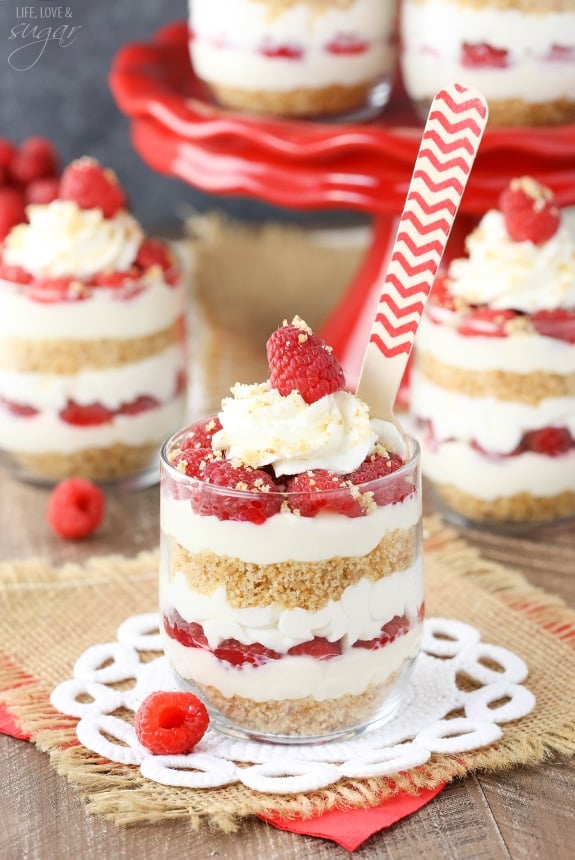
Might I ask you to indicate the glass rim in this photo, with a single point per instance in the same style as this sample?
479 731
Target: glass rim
365 486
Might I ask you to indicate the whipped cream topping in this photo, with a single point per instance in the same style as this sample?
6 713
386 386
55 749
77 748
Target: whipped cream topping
523 276
261 427
62 240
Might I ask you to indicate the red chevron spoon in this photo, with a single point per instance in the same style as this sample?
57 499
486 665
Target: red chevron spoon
450 141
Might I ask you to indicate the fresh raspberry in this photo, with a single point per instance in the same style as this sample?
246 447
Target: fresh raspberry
187 633
141 404
300 361
50 290
14 274
238 654
92 187
551 441
12 209
20 410
88 415
34 159
319 648
558 323
202 434
171 723
318 490
530 211
256 498
481 55
375 465
440 294
7 152
486 322
114 280
398 626
75 508
42 191
193 461
153 252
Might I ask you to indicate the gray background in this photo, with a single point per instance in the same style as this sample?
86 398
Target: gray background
64 95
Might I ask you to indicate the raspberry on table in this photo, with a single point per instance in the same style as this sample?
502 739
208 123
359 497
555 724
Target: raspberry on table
256 499
171 723
92 187
300 361
318 490
530 211
75 508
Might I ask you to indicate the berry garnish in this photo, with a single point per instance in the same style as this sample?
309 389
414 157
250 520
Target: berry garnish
318 490
187 633
7 152
19 410
14 274
42 191
480 55
256 497
530 211
153 252
34 159
319 648
116 279
170 723
86 415
75 508
398 626
202 434
238 654
485 322
300 361
551 441
376 465
143 403
558 323
57 290
12 209
92 187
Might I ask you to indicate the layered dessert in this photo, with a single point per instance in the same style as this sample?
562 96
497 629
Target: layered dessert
294 57
92 364
291 583
493 388
520 54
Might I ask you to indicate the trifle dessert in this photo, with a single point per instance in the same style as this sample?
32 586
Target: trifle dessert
493 388
294 57
291 580
92 363
519 53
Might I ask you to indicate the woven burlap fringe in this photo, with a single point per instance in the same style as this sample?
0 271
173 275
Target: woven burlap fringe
461 584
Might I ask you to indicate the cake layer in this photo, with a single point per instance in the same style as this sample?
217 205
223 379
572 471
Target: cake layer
497 425
295 677
359 612
285 535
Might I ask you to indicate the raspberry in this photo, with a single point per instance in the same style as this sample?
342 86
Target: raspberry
89 415
530 211
12 209
319 490
300 361
485 322
34 159
481 55
92 187
346 44
440 294
398 626
20 410
171 723
238 654
42 191
141 404
375 465
202 434
319 647
57 290
14 274
7 152
116 279
256 498
282 52
551 441
558 323
187 633
153 252
75 508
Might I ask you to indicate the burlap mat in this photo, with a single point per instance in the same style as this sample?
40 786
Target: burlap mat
48 617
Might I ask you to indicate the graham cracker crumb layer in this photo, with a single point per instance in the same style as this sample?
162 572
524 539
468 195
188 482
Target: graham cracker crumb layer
96 464
292 584
321 101
521 507
66 357
516 112
539 7
528 388
300 717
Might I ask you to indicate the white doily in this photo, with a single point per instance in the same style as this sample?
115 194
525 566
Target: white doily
436 716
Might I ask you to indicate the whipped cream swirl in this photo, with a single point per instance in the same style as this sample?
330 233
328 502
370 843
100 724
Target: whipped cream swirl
261 427
522 276
62 240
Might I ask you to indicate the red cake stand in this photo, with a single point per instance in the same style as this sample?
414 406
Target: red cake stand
304 165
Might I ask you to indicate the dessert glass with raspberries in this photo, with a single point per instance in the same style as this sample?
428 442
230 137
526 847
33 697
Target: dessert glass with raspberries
291 574
92 337
493 385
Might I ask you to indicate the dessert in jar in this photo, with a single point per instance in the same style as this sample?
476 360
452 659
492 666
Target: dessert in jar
92 364
520 54
291 576
295 57
493 388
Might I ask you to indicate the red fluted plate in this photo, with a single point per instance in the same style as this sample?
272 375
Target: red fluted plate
178 130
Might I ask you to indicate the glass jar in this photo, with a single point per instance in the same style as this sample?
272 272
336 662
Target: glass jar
493 402
92 379
295 58
292 626
519 54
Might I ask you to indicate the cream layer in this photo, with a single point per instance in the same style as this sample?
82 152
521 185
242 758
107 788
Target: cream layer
46 433
432 36
489 478
285 536
496 425
296 677
360 613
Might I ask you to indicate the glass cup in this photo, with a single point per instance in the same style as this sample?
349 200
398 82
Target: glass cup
92 379
493 404
292 628
294 58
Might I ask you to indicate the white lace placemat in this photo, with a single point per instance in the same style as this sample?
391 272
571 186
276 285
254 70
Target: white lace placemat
439 714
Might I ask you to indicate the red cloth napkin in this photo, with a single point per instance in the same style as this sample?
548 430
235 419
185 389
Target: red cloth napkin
9 725
351 827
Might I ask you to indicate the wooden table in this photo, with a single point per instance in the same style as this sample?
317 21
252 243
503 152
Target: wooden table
526 814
